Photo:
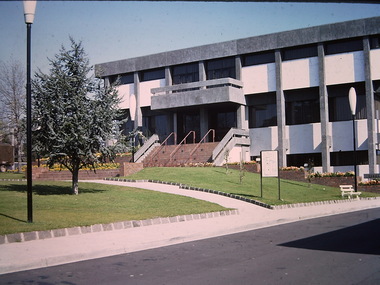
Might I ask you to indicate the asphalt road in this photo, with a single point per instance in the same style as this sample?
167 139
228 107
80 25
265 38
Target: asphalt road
340 249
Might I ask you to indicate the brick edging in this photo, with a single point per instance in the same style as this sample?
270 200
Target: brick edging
258 203
41 235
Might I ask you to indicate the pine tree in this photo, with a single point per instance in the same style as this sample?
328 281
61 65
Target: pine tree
74 114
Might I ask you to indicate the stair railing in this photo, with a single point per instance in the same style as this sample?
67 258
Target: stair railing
182 142
163 144
202 141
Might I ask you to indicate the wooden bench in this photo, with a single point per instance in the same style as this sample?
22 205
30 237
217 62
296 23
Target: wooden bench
348 190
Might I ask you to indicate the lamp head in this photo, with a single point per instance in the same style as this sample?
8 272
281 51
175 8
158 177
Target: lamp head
29 10
352 100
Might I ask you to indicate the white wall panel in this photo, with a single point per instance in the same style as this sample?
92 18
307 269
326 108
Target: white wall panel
259 78
304 138
145 93
300 73
375 64
344 68
263 139
342 138
125 91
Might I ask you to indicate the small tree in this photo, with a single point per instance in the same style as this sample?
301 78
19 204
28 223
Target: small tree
74 114
13 104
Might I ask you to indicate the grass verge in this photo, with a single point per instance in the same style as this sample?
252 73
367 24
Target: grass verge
217 178
11 175
54 207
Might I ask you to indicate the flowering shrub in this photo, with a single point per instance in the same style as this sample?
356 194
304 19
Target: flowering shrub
292 168
99 166
370 182
245 162
332 174
199 164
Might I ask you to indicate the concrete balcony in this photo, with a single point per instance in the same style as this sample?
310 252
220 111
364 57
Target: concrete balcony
198 93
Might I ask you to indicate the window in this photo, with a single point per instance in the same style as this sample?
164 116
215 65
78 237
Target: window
126 78
262 110
339 107
343 158
343 46
312 159
185 73
302 106
376 88
153 74
299 52
258 58
374 42
221 68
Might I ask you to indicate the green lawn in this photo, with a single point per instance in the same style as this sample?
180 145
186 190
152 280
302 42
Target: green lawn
215 178
54 207
11 175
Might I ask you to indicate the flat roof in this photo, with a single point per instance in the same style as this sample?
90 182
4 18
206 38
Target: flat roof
304 36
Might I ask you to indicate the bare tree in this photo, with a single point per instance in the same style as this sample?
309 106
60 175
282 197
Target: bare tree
13 103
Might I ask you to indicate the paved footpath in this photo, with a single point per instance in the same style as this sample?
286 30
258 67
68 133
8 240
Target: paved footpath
70 248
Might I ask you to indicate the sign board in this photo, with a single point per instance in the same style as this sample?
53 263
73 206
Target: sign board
269 163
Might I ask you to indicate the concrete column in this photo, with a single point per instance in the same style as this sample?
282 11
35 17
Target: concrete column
168 77
324 110
138 114
107 81
203 121
175 123
370 103
238 67
242 118
202 71
280 101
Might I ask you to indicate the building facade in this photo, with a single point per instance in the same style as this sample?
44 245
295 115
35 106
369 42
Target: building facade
288 89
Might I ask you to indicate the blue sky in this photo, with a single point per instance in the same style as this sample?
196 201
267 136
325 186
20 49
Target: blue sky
113 30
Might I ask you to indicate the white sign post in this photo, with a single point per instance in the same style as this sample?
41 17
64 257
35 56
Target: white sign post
269 167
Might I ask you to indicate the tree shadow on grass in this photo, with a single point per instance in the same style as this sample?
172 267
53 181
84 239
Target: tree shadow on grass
48 189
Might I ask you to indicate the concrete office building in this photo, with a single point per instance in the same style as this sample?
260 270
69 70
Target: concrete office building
287 91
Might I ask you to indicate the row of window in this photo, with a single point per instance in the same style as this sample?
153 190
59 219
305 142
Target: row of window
302 106
338 158
226 67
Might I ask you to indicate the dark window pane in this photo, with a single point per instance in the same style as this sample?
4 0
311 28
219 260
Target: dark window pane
343 46
153 74
344 158
262 110
258 58
374 42
299 52
312 159
221 68
302 106
185 73
339 108
122 79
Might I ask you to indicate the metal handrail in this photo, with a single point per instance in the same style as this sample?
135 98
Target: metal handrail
164 143
204 138
184 140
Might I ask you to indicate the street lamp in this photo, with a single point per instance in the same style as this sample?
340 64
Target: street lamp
352 101
29 9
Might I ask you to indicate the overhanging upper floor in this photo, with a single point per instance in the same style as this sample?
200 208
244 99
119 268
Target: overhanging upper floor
198 93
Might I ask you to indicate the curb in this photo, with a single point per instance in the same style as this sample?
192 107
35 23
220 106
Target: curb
255 202
41 235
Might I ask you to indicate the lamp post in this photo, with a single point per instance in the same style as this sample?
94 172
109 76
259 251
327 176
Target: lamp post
352 101
29 10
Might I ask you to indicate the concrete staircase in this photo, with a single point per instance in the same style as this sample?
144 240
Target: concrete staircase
180 155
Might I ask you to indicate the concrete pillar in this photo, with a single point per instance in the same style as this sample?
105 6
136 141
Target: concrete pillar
242 117
203 121
202 71
138 114
324 110
238 67
370 103
168 78
280 101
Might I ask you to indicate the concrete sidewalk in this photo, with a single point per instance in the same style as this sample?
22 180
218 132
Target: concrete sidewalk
70 248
